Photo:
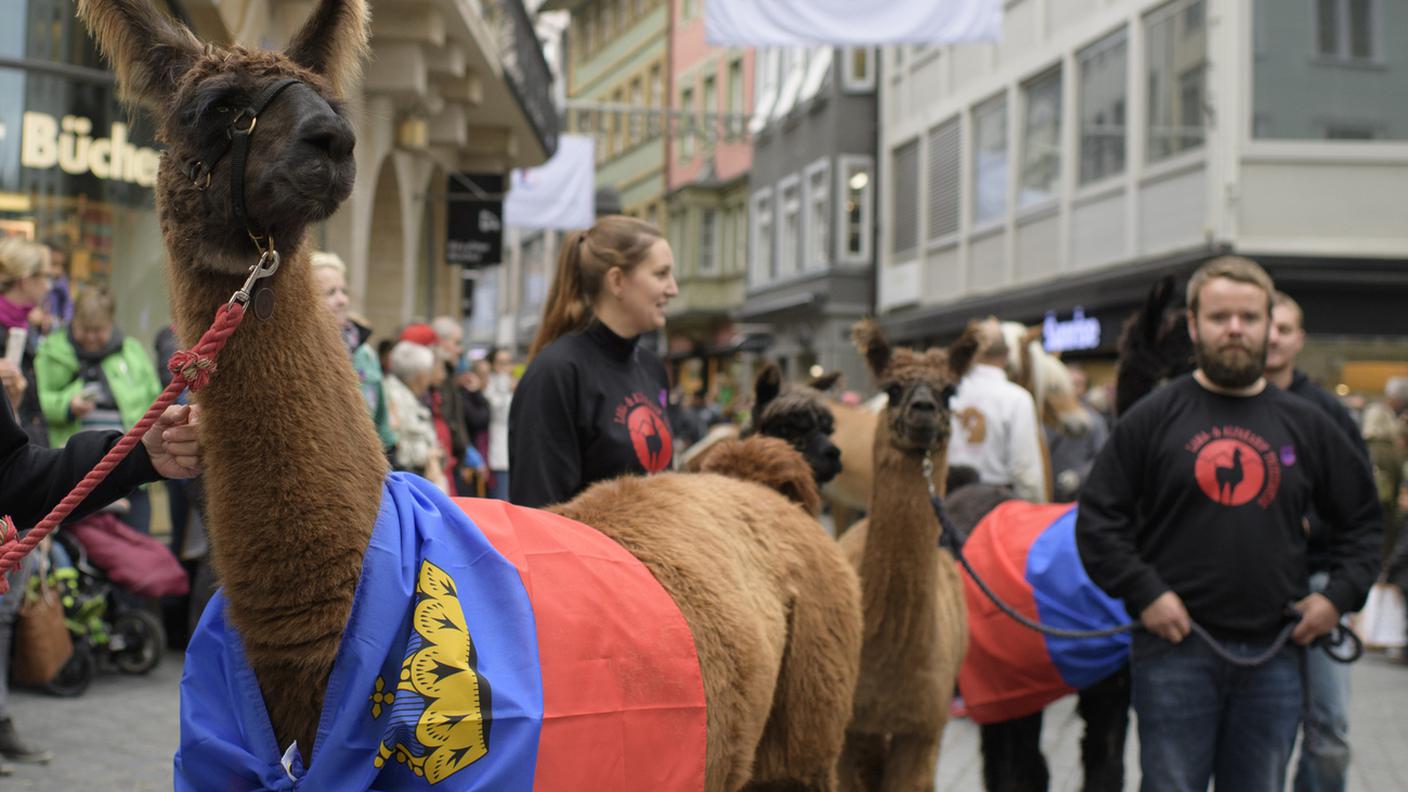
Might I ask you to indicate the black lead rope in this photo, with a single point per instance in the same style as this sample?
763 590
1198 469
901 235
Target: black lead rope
952 540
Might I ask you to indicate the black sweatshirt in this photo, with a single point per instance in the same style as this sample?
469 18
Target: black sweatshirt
1205 495
590 407
1319 549
33 479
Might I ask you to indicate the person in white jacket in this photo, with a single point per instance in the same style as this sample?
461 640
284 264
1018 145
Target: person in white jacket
498 390
417 447
995 426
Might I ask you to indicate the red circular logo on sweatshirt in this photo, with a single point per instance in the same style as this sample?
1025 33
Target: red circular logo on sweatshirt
650 436
1229 471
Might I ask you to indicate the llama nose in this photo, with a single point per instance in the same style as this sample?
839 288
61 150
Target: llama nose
924 405
833 453
330 134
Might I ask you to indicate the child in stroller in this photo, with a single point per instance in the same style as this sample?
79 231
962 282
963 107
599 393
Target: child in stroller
103 569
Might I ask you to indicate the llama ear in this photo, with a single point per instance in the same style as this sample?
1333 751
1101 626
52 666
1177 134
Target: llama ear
872 343
962 351
333 42
148 50
766 387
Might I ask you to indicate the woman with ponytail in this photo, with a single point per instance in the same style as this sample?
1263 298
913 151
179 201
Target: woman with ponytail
591 405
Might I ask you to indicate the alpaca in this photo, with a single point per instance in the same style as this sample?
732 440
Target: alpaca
295 478
912 597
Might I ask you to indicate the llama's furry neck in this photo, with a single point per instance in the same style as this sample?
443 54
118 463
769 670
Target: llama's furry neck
293 473
898 569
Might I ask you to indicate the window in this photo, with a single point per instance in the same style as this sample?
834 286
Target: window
734 98
816 252
1103 67
794 69
855 183
709 242
689 9
1175 75
657 87
904 199
858 76
1040 177
762 265
767 75
588 33
620 119
990 160
789 238
637 100
606 23
687 110
945 178
1344 29
709 112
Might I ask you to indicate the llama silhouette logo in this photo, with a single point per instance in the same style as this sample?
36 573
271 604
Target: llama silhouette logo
650 436
1230 471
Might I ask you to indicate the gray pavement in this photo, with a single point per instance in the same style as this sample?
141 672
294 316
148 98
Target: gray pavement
119 736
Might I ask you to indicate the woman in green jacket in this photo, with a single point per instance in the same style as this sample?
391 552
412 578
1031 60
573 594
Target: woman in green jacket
93 377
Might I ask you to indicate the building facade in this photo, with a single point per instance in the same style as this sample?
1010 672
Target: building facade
708 159
812 207
1052 177
451 87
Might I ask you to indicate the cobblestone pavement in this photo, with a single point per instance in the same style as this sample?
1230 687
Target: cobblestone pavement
119 736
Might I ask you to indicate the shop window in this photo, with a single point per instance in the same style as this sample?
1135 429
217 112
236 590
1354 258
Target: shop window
1103 71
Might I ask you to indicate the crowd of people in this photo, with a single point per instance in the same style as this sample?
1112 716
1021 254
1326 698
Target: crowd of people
1161 488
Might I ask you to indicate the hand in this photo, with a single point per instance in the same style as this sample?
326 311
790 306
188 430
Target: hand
14 381
1167 618
173 442
1317 616
80 406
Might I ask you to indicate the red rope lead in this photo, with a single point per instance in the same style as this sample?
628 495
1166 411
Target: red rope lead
190 367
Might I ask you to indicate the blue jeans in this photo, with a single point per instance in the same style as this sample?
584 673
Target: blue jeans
1324 751
1201 717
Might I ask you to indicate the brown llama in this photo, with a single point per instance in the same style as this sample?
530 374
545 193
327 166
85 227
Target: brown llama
294 471
916 628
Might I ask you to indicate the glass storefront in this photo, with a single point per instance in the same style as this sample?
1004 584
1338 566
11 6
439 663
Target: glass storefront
76 167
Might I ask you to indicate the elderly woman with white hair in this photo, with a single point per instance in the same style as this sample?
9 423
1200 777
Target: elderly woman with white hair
417 447
330 279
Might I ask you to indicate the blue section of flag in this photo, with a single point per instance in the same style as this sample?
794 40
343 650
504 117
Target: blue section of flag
1066 598
436 685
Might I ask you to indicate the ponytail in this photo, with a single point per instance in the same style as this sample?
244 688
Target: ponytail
614 242
566 310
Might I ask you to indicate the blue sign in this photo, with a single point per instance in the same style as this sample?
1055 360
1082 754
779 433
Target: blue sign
1075 334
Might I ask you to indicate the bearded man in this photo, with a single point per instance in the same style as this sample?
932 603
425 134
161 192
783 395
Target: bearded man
1194 511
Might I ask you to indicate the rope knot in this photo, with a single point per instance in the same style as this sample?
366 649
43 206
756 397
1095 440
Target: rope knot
192 367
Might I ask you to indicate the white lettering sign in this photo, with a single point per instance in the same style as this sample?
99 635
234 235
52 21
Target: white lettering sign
1078 333
46 142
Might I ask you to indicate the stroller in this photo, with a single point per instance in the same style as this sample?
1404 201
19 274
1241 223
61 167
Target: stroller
103 569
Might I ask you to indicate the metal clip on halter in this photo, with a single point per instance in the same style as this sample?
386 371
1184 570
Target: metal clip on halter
268 265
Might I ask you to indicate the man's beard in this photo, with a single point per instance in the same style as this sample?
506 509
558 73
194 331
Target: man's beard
1231 368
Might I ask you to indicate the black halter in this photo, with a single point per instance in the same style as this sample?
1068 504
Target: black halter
198 171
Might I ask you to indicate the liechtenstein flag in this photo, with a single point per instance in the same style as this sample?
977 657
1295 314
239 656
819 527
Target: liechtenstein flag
1027 554
489 647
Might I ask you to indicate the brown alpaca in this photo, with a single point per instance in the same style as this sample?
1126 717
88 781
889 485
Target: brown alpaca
915 623
294 470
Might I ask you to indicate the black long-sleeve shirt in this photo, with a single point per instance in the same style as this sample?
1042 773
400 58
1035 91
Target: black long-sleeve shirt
590 407
33 479
1319 548
1204 494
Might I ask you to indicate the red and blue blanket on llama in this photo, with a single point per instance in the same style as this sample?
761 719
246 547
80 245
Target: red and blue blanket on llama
489 647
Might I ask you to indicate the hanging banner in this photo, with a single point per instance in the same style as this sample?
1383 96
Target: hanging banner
847 23
559 195
474 219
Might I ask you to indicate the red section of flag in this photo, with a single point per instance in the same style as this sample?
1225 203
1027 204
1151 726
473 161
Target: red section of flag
623 699
1007 672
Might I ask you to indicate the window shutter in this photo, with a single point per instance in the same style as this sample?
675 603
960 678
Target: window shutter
945 178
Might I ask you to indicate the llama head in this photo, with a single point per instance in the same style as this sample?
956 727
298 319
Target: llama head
919 384
299 161
797 414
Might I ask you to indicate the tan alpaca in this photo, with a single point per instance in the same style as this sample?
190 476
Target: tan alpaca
915 623
294 469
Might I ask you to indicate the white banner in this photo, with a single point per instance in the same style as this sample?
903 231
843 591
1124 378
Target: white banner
850 23
560 194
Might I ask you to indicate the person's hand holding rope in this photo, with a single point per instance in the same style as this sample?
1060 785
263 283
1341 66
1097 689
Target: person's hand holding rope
1167 618
1317 617
173 442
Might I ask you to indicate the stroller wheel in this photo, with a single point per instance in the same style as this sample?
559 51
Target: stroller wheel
136 642
76 675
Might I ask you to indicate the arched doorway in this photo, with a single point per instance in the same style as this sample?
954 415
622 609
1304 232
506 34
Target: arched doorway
386 276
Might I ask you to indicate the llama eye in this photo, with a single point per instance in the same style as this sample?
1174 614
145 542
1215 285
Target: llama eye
223 110
947 394
894 391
